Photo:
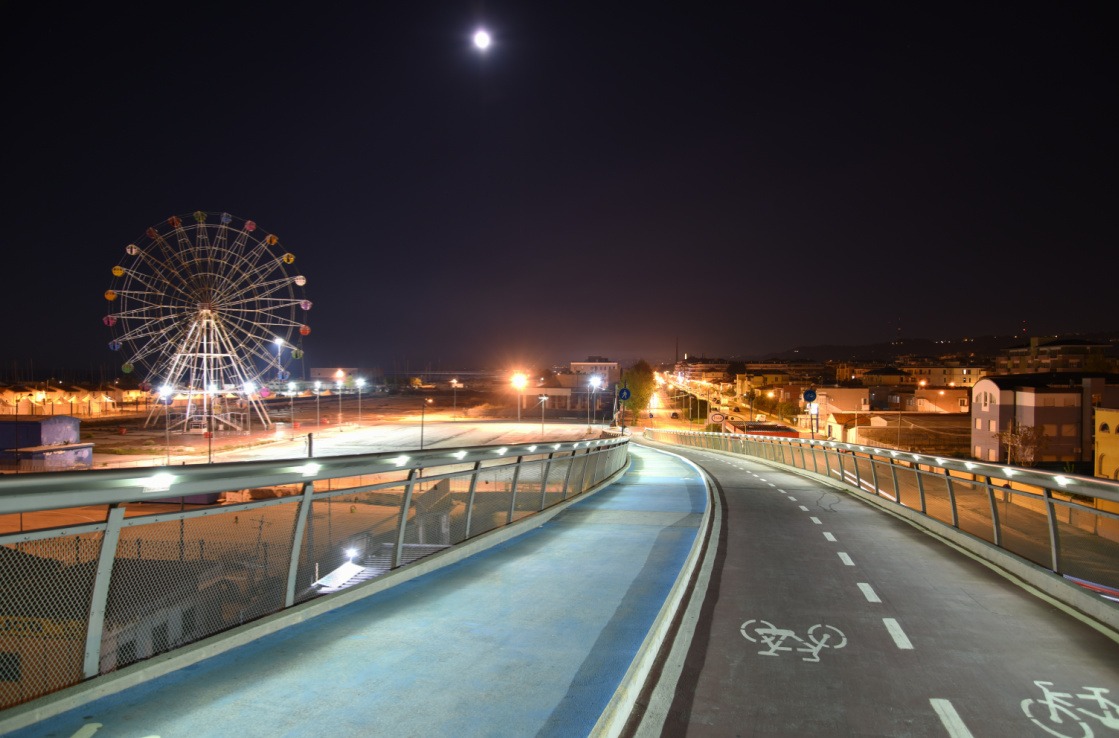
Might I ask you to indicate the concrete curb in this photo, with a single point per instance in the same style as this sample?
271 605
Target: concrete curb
618 710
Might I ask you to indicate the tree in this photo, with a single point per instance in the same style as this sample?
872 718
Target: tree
1024 443
641 384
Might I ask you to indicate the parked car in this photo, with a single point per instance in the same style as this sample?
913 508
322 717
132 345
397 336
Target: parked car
675 416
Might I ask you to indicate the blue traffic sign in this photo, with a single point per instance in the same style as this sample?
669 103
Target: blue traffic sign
810 395
623 393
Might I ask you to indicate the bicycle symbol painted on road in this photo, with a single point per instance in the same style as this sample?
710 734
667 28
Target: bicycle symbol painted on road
816 639
1058 715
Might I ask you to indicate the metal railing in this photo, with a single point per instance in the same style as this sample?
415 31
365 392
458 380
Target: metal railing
1066 523
104 568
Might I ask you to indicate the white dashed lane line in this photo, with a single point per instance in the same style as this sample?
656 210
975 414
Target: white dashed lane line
792 499
802 507
950 718
816 521
829 536
899 636
868 592
845 559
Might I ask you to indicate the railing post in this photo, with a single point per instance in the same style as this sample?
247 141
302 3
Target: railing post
513 495
952 498
920 486
402 525
470 497
544 480
858 474
874 475
994 512
894 475
100 597
827 464
301 517
567 475
1054 536
815 461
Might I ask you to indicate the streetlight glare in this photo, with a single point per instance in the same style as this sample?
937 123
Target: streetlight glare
482 39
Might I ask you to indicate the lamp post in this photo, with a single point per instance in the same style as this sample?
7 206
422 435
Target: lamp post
279 349
543 404
291 403
360 383
339 402
454 396
519 381
594 383
318 393
165 398
423 412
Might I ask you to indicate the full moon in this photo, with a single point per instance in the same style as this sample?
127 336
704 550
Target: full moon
481 39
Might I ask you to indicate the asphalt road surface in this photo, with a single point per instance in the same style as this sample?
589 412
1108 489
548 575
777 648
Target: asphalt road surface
826 616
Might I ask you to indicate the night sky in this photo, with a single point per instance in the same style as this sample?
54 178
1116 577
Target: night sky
608 178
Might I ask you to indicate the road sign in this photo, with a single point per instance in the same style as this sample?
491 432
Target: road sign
716 418
810 395
623 393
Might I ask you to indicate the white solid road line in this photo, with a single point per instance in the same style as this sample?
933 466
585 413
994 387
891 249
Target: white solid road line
829 536
899 636
951 719
868 592
846 559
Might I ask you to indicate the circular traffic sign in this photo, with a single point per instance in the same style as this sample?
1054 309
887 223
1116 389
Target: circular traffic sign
623 393
716 418
810 395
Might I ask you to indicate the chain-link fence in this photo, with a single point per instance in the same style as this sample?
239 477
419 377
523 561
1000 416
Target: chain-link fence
1066 523
104 568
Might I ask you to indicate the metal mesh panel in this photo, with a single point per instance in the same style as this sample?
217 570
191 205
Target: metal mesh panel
492 498
974 509
1085 554
1024 525
528 489
44 609
177 581
937 504
907 490
364 523
887 473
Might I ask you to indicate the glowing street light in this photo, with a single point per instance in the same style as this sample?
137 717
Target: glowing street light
454 393
279 348
360 383
519 381
595 382
543 404
423 412
482 39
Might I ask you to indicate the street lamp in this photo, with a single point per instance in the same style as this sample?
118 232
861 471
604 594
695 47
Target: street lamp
279 348
454 395
519 381
543 404
291 402
339 402
360 384
165 398
595 383
318 393
423 412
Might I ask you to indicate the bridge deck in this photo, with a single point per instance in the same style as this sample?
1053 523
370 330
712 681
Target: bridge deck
530 637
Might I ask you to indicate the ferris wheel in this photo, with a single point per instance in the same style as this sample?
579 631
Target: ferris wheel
210 309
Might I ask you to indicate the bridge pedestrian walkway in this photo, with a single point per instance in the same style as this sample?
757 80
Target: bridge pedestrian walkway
531 637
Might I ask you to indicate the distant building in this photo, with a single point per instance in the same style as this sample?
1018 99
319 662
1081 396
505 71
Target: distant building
1060 403
948 374
1107 443
1056 355
600 366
